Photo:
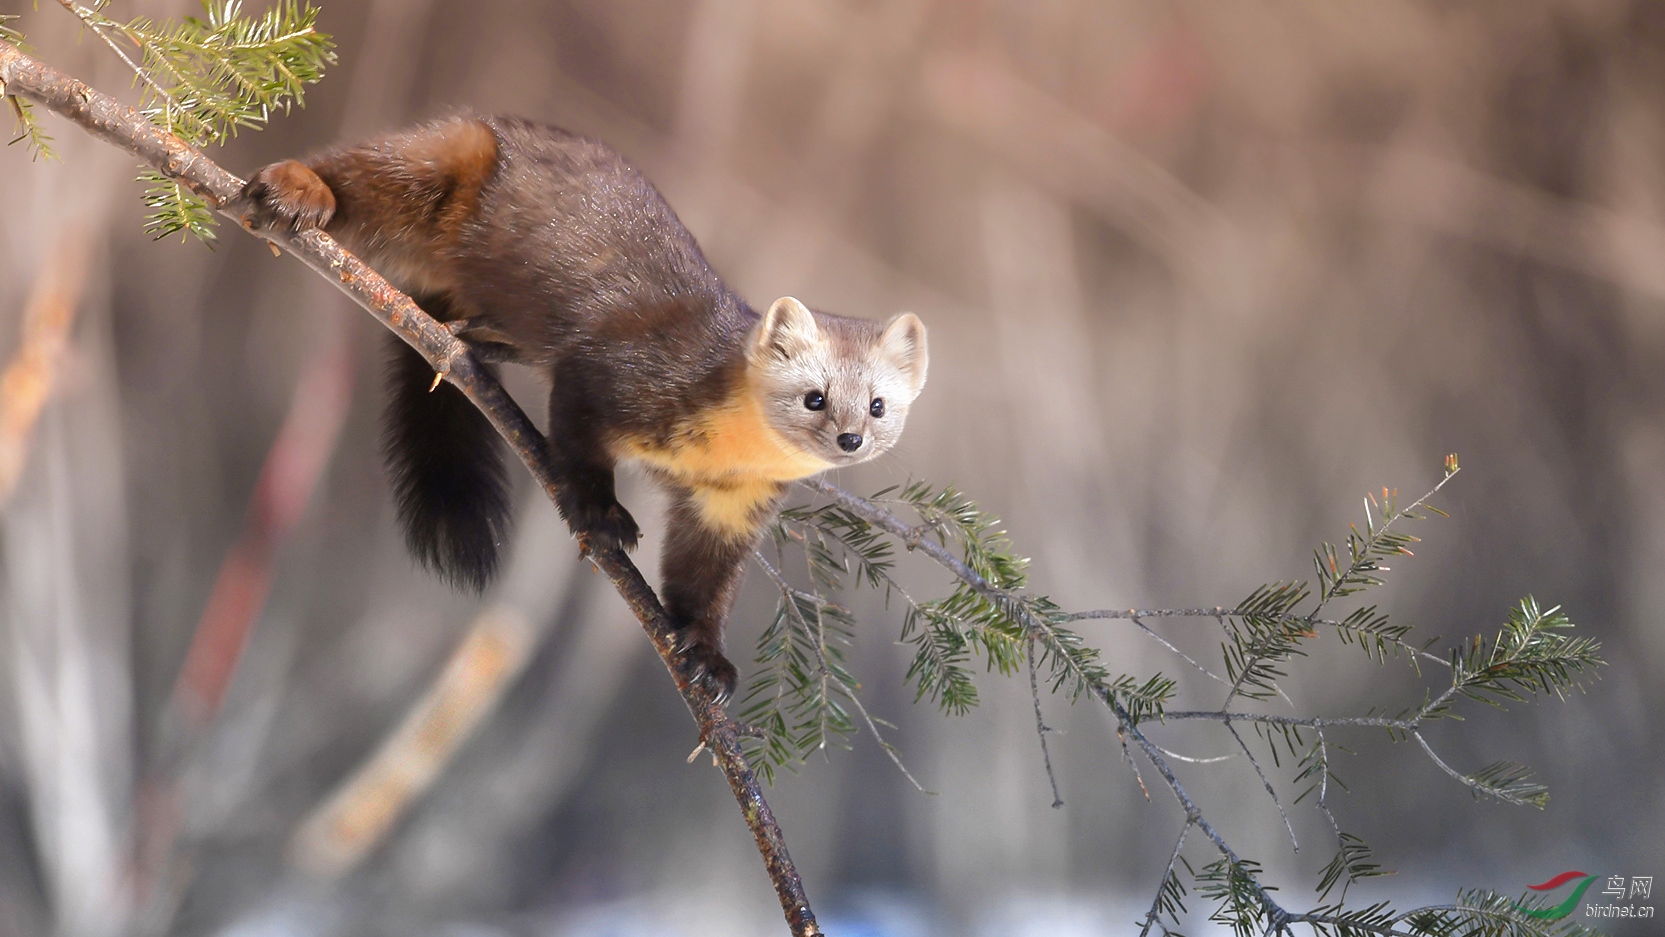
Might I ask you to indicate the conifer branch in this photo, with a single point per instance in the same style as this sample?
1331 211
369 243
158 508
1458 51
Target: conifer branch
125 127
1528 656
205 78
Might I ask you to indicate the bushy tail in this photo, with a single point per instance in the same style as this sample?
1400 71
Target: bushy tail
446 465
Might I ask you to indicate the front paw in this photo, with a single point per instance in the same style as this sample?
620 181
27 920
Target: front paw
287 195
702 663
604 527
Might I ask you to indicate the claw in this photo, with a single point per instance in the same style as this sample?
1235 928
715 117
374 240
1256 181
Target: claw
703 664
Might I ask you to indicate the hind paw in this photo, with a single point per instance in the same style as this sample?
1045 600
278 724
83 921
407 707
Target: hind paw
703 663
288 195
605 527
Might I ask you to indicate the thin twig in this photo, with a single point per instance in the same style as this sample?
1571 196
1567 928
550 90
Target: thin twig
1293 842
1041 729
108 120
1127 756
1462 778
1168 870
1221 613
1169 645
1194 760
1133 614
1324 784
97 23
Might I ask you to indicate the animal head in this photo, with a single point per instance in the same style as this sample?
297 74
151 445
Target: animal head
837 388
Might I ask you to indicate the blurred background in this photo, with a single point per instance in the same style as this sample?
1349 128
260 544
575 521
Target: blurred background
1197 276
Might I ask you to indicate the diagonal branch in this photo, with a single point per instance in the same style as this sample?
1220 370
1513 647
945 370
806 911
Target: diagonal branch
125 127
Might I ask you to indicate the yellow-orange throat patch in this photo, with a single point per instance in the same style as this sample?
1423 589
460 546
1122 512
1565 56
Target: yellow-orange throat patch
731 458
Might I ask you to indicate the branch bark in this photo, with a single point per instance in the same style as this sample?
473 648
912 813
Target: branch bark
123 126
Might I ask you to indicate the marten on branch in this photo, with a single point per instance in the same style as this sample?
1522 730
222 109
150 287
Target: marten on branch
544 248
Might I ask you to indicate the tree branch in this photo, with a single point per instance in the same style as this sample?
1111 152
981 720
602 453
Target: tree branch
1277 918
125 127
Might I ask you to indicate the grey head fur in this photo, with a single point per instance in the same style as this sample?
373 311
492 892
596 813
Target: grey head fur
794 353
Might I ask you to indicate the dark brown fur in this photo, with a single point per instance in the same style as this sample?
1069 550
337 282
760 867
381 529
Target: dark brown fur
548 249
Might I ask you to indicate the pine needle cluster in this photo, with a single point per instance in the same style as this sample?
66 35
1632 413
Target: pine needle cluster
29 131
202 79
798 695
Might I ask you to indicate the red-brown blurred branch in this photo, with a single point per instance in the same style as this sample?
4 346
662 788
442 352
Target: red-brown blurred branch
123 126
293 466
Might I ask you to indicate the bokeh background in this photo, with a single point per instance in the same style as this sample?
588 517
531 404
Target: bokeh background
1197 275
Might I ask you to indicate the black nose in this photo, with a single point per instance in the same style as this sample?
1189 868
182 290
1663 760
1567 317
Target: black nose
849 442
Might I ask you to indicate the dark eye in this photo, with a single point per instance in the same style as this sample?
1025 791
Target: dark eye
815 400
877 407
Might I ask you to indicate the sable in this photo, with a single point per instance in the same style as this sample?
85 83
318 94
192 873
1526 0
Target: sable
548 249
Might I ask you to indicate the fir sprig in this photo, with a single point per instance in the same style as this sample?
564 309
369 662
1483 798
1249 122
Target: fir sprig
1265 630
213 75
205 78
998 620
1246 906
1240 900
29 130
798 696
1353 861
988 617
1531 654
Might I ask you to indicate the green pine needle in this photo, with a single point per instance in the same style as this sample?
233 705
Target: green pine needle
211 76
205 78
798 696
1352 862
1530 654
175 209
29 131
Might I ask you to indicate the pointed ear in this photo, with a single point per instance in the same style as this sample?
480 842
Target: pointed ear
903 345
787 329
